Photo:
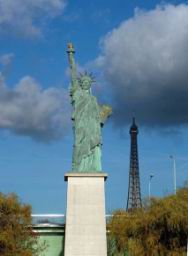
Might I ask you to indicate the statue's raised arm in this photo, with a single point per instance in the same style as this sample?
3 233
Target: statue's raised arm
73 73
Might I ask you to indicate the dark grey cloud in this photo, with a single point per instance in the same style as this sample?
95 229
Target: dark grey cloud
145 62
25 17
28 110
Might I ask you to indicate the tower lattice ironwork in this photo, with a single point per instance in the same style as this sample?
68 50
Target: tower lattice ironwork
134 193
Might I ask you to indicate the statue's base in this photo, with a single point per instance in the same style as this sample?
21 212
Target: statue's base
85 231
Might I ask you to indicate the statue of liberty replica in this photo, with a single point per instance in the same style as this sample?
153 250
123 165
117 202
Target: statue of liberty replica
85 229
88 118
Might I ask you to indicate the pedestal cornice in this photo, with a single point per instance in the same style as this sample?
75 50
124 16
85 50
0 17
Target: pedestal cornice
85 174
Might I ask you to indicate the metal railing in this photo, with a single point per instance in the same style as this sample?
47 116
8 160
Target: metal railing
52 218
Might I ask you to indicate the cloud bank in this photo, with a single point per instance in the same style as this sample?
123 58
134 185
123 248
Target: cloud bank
27 110
145 61
26 17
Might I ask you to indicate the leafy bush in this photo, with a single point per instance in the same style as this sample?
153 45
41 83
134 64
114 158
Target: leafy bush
16 235
160 228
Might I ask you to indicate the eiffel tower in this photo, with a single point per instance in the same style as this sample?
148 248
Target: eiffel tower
134 195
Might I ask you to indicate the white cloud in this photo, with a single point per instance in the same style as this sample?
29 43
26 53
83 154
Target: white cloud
6 59
5 63
145 60
43 115
24 17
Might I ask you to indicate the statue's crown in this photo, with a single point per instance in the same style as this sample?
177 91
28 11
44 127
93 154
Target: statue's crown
88 75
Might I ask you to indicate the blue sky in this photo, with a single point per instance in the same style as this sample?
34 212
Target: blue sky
137 51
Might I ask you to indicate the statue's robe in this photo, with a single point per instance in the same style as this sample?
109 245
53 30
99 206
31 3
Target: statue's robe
87 132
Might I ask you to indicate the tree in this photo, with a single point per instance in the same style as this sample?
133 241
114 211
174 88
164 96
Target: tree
159 229
16 235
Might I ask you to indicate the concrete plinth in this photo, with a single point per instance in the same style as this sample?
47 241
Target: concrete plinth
85 231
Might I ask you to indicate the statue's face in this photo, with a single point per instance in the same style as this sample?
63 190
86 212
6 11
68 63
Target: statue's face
86 82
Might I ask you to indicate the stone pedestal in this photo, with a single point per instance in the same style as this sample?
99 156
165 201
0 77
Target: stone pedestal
85 231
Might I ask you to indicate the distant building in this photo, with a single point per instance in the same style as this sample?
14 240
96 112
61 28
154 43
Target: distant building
53 236
50 229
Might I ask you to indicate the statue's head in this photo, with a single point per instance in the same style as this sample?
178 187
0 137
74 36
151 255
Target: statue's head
86 80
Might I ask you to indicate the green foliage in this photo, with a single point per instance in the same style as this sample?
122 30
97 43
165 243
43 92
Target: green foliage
160 228
16 235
